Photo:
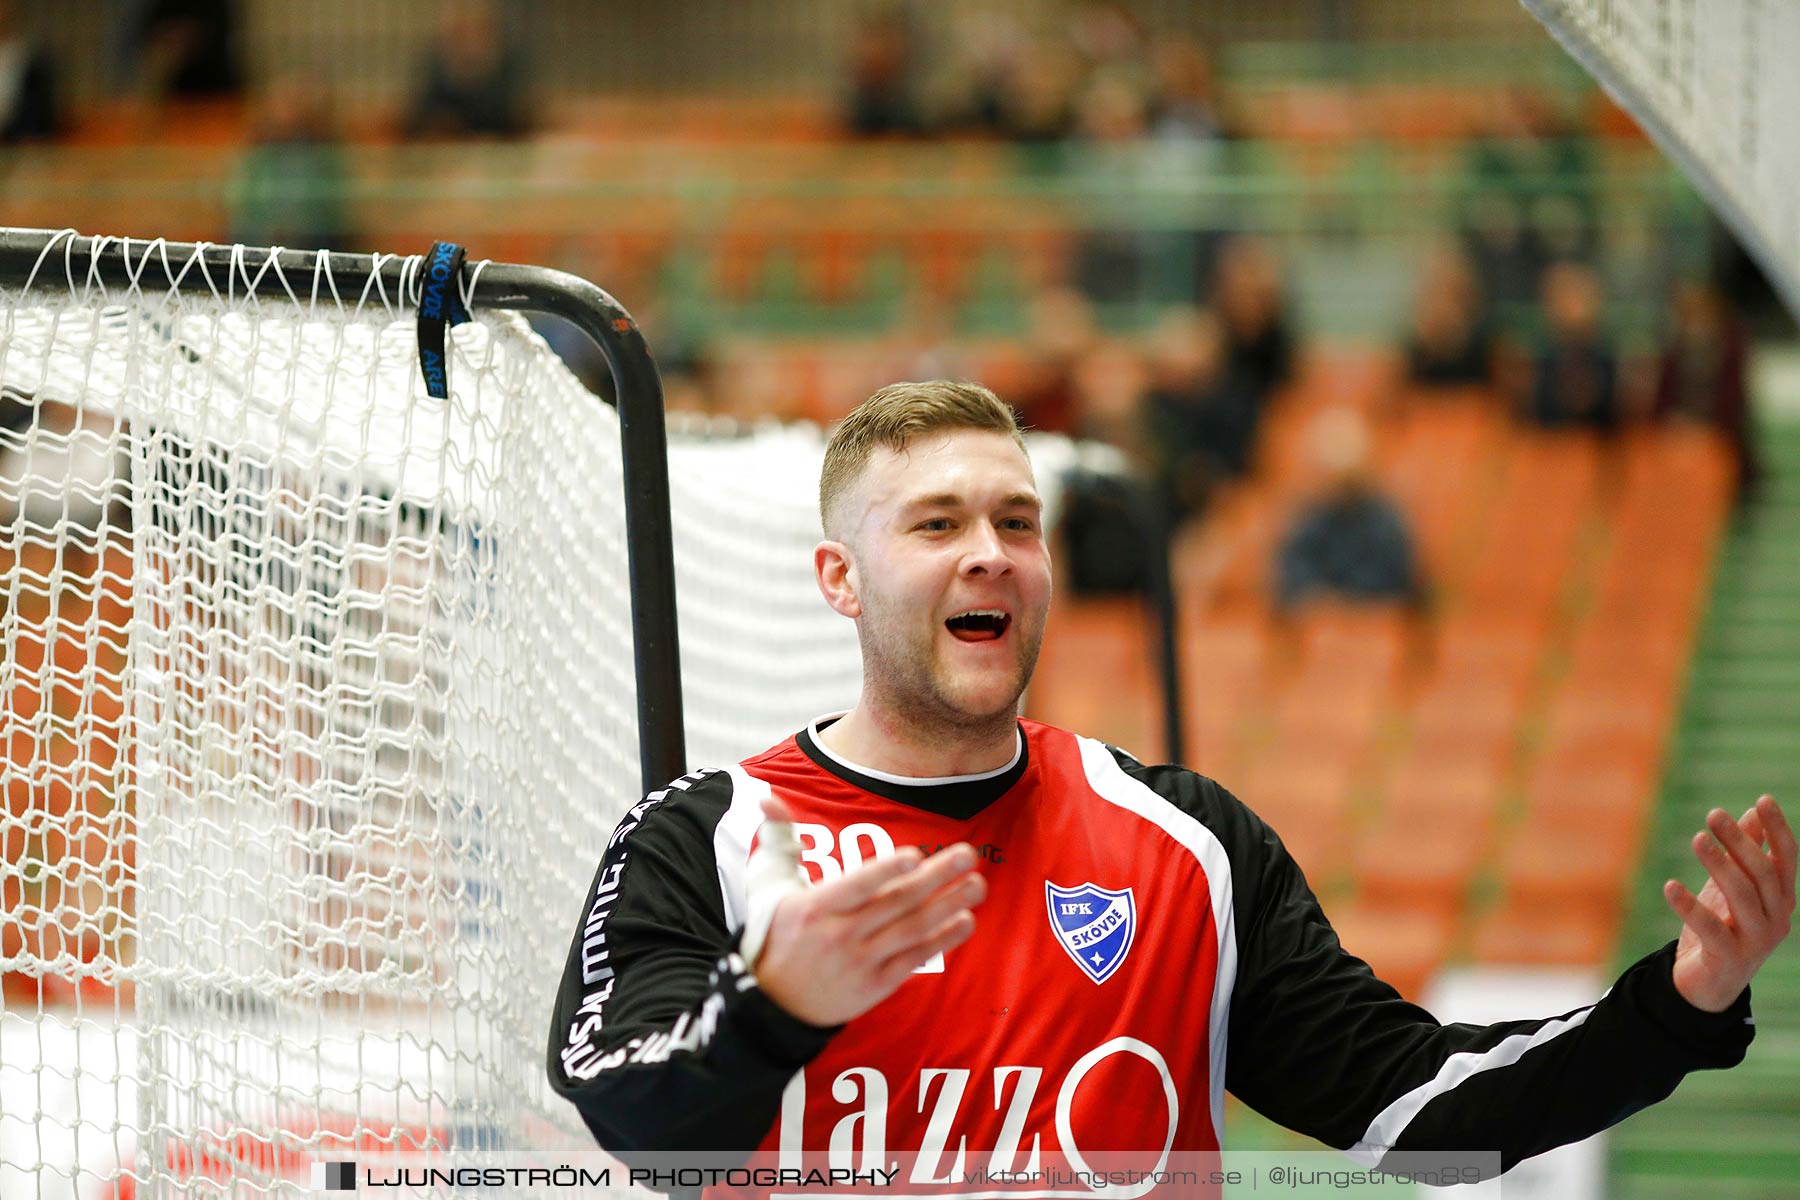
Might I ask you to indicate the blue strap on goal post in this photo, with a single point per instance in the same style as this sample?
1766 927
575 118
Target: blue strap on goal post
440 306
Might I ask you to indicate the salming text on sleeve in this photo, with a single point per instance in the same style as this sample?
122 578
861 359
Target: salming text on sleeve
661 1038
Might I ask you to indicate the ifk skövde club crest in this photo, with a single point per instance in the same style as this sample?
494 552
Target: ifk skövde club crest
1094 924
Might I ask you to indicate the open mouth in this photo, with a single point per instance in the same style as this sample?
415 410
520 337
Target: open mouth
978 625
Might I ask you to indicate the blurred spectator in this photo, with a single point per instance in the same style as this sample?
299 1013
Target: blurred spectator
751 384
683 360
1737 274
925 346
188 49
1012 85
292 184
1186 100
1106 527
1252 305
1109 38
1109 387
883 88
1529 198
1703 374
1062 330
1334 21
473 81
1114 255
1349 542
1036 104
1575 378
28 111
1200 419
1111 108
990 48
1451 343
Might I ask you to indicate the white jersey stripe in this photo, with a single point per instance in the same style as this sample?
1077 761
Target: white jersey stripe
1392 1121
731 841
1112 784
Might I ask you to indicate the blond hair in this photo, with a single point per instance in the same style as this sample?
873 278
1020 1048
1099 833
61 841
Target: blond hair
895 415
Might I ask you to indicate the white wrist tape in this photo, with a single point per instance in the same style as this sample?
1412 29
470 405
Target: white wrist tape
773 873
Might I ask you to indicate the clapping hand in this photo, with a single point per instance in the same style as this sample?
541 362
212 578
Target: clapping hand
835 950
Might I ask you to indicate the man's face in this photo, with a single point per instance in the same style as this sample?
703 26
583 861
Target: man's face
948 577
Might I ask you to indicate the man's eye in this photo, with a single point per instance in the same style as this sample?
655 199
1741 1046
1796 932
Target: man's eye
1019 524
935 524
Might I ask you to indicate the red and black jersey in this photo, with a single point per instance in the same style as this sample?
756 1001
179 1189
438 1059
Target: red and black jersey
1146 944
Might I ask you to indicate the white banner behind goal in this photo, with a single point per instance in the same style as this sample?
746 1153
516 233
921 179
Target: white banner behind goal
1716 85
319 707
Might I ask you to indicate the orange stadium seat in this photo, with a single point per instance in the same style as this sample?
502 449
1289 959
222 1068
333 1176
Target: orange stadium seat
1689 461
1335 715
1578 712
1415 112
1243 538
1443 788
1498 648
1365 641
1582 803
1099 639
1307 801
1568 862
1225 683
1403 945
1607 648
1621 753
1433 485
1601 698
1528 935
1422 861
1662 590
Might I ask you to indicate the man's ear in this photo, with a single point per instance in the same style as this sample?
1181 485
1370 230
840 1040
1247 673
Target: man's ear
835 571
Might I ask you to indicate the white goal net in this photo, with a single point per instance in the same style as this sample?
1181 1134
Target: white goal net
319 706
1715 85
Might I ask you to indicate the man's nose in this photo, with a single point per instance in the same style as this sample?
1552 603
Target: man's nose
984 553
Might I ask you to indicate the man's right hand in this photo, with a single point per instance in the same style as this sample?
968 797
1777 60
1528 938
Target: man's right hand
836 950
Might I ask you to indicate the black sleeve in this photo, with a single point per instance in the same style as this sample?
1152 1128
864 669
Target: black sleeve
1319 1044
660 1036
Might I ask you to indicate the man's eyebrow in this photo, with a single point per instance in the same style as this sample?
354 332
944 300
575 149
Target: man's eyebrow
955 500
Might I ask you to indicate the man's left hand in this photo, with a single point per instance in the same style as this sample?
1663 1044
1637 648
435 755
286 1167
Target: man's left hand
1742 913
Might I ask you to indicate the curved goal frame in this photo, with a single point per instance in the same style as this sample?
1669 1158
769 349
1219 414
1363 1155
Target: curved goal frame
45 261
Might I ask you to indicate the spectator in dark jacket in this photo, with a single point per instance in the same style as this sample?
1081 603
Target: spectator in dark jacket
1349 542
1450 344
883 95
1575 379
1200 417
1062 332
188 49
1252 306
1703 374
28 110
474 81
292 184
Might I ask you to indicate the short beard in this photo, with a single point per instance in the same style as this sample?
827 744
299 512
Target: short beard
927 714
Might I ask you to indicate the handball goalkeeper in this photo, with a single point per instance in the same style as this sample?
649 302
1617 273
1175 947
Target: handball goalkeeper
926 926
